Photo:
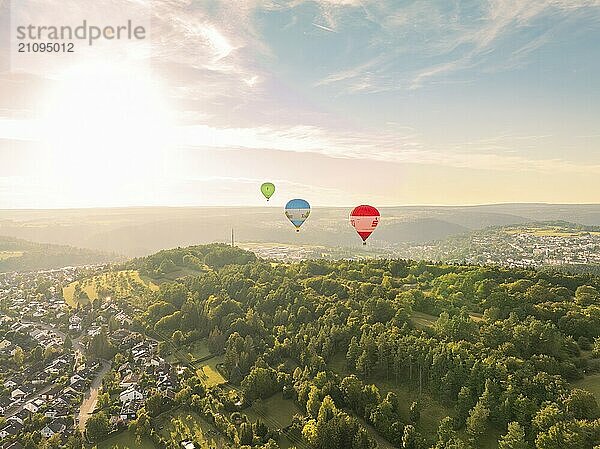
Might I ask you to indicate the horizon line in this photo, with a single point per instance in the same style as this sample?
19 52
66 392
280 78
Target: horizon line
268 206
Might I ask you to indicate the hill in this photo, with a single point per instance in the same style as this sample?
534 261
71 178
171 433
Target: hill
141 276
422 230
382 350
22 255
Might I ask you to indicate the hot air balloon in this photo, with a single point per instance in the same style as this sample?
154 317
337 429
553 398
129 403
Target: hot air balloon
267 189
365 219
297 211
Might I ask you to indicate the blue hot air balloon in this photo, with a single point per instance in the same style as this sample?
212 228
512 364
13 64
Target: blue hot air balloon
297 211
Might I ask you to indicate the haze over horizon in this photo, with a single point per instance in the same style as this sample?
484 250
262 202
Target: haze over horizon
337 101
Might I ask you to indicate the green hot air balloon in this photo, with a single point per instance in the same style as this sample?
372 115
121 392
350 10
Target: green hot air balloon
267 189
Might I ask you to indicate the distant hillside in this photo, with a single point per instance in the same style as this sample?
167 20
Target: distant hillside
22 255
138 232
422 230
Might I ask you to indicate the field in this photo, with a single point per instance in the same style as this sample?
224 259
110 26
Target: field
590 383
422 320
182 425
178 273
190 353
125 440
277 413
208 372
550 231
119 283
10 254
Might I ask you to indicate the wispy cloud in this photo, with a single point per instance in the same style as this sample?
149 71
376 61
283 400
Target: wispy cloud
443 38
403 146
502 153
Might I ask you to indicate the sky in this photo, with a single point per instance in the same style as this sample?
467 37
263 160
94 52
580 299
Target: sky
340 102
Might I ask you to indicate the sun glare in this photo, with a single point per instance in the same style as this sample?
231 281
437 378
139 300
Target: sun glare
105 130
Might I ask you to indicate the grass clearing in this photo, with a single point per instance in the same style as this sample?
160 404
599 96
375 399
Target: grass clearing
432 412
275 411
423 320
120 284
180 272
209 374
125 440
590 383
190 353
184 424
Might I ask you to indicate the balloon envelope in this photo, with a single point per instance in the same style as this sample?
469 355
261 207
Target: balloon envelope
365 219
267 189
297 211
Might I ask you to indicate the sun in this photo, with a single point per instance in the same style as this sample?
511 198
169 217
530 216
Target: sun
106 128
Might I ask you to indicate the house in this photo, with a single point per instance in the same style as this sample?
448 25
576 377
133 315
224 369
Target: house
51 393
60 406
20 417
54 427
18 393
30 406
5 403
131 394
79 385
75 378
51 413
129 380
12 428
127 413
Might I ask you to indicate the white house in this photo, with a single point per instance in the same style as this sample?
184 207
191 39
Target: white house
131 394
17 394
31 407
53 428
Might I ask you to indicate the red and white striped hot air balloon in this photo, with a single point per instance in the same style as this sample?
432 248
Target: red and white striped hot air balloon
365 219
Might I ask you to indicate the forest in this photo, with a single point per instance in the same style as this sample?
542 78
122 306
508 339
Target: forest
368 349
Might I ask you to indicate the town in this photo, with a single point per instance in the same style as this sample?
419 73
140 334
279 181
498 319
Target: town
539 246
54 360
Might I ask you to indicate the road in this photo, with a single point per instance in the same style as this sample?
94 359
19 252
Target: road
91 397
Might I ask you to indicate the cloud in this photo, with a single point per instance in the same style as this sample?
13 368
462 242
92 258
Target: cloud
400 145
442 38
502 153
